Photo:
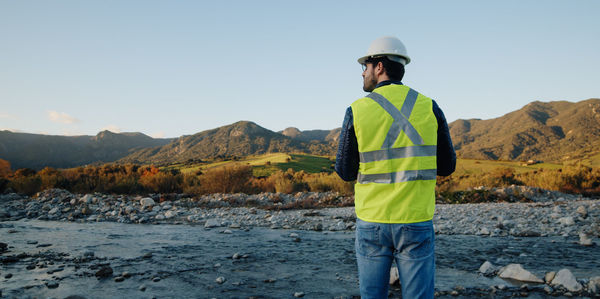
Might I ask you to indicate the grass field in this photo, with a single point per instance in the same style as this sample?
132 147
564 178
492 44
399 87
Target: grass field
265 165
471 166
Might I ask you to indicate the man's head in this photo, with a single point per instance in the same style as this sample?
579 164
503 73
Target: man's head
379 69
385 60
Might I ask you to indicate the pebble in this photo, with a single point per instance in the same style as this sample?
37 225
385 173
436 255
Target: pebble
142 288
299 294
220 280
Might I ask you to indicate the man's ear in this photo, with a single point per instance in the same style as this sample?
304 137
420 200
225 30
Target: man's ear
379 70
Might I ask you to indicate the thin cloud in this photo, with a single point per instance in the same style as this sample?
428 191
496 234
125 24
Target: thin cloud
61 117
112 128
160 134
12 130
7 116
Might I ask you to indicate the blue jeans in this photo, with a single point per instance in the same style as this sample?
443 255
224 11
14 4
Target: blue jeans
410 245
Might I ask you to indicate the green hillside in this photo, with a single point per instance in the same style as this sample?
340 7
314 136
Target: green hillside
265 165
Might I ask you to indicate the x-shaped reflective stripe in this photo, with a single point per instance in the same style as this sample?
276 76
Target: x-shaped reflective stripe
400 117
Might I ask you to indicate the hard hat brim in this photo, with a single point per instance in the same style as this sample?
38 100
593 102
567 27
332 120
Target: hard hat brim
404 60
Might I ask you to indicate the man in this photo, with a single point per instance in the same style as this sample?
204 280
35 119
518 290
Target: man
393 142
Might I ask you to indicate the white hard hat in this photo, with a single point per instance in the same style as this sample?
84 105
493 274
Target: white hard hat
388 46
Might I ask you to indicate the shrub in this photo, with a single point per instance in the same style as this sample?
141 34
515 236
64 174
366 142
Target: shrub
162 182
227 179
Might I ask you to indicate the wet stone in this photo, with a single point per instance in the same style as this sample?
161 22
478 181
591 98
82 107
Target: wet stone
52 284
104 272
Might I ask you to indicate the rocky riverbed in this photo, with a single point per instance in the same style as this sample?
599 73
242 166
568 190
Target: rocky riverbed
57 244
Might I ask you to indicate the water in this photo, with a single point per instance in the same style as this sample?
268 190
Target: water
187 259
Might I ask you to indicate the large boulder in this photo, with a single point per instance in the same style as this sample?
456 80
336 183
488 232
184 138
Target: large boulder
565 278
516 272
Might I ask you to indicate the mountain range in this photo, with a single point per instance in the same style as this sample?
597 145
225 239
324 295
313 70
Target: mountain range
547 131
37 151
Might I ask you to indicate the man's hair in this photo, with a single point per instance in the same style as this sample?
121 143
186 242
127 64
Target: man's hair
394 70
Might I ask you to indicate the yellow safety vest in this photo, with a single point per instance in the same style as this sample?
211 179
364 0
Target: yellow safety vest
396 132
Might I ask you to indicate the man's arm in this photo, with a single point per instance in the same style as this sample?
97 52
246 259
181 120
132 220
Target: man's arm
346 160
446 157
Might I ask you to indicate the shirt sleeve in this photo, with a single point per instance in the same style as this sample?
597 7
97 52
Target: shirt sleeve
446 156
346 160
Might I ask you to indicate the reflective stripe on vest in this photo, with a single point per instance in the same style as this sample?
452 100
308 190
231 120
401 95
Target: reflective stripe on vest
401 122
397 177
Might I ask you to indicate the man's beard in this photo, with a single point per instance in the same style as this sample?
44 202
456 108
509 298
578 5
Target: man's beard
369 85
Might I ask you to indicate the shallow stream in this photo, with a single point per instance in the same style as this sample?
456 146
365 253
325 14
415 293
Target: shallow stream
184 261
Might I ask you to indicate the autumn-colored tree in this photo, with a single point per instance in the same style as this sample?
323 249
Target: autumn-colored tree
4 168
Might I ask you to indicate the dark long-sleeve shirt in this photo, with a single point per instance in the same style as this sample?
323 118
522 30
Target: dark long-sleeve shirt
347 160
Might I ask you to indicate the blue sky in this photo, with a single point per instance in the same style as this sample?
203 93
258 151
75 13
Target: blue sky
172 68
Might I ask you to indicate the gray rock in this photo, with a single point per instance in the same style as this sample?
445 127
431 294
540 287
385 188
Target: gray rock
581 210
585 240
565 278
594 285
53 211
487 269
86 199
549 276
220 280
210 223
142 288
299 294
394 277
516 272
52 284
105 271
483 231
567 221
159 217
170 214
147 202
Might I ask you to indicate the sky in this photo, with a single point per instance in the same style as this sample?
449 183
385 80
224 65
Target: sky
173 68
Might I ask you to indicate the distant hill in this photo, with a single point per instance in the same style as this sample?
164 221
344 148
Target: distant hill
310 135
36 151
547 131
236 140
